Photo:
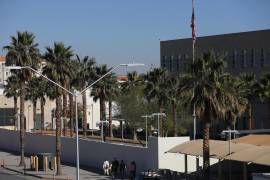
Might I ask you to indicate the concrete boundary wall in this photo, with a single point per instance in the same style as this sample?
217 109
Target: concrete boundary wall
93 153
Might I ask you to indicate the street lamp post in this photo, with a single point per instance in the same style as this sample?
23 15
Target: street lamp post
230 132
158 114
75 94
146 131
92 120
28 119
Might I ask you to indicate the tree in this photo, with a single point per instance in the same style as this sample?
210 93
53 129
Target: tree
264 87
156 88
85 75
57 69
250 86
43 87
101 90
211 98
12 90
32 89
22 51
173 88
73 82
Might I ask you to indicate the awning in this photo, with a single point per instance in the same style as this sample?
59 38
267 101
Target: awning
220 149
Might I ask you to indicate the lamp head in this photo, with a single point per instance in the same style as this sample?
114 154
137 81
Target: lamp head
14 67
132 64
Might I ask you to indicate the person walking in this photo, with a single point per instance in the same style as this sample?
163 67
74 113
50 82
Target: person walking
122 168
115 165
132 170
106 166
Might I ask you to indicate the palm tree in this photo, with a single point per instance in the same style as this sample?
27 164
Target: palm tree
43 86
75 66
32 89
22 51
234 85
156 88
264 90
113 93
12 90
173 86
57 69
85 74
211 98
101 89
249 85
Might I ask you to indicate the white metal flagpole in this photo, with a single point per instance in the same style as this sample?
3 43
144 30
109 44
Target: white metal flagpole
193 59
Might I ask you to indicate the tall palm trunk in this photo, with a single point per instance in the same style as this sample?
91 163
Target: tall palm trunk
71 115
174 119
42 104
134 134
15 111
58 132
65 112
102 114
110 119
206 145
84 114
249 114
34 114
22 129
161 120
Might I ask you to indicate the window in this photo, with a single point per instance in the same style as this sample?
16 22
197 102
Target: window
262 57
252 58
243 58
234 58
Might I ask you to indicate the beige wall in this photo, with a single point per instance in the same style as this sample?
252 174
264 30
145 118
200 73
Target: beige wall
29 110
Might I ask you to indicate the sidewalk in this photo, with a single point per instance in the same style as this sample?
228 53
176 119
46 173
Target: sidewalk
11 161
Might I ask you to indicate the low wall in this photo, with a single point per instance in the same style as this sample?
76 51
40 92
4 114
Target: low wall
93 153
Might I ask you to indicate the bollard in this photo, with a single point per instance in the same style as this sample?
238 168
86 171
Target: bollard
36 158
46 164
3 162
31 162
55 164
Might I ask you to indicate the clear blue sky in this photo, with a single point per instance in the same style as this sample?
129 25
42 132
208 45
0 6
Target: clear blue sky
121 31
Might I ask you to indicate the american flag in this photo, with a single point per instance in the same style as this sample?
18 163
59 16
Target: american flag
192 25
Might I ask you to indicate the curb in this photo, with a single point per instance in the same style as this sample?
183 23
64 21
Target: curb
37 176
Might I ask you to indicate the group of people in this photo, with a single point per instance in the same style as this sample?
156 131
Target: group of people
116 169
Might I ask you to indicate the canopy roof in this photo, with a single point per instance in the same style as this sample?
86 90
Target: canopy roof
254 152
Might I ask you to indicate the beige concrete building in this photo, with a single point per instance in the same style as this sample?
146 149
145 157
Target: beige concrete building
244 52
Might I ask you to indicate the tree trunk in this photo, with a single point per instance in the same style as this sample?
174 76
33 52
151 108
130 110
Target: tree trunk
58 131
65 111
206 147
42 104
102 114
161 120
249 113
110 119
84 114
34 114
134 134
16 112
22 117
71 115
174 119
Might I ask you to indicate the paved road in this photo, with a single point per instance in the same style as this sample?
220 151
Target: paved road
10 175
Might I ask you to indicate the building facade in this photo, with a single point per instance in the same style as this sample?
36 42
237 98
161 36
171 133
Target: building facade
244 52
